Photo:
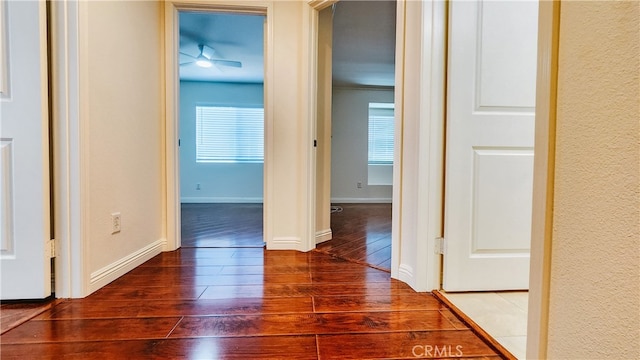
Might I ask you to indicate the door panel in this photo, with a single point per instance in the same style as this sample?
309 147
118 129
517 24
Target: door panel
24 152
490 133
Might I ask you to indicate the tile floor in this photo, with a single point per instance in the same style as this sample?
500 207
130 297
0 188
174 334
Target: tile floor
501 314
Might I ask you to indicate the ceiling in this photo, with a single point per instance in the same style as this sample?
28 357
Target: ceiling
363 44
235 37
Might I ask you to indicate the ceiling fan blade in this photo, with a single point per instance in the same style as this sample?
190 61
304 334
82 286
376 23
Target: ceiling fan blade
187 55
186 63
230 63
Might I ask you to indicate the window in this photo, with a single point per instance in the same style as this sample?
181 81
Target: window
381 126
229 134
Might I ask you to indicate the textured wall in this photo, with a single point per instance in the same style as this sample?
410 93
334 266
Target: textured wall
595 273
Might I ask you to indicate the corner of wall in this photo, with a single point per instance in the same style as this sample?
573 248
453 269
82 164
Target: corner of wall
111 272
323 235
286 243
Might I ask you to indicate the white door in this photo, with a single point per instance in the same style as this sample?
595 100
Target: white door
24 168
490 134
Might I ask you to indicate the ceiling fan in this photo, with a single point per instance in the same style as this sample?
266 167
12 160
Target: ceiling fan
205 58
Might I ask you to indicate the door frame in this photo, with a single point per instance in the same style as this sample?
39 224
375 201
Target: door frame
172 100
544 161
70 168
543 179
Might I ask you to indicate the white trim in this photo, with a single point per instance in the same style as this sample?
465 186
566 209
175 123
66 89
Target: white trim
543 177
350 200
221 200
70 165
171 129
419 98
406 274
431 140
323 235
321 4
111 272
310 47
286 243
396 207
269 108
45 121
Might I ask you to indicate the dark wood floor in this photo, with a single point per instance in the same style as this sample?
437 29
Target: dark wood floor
362 234
248 303
222 225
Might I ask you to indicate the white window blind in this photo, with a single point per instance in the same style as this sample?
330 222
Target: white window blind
381 128
229 134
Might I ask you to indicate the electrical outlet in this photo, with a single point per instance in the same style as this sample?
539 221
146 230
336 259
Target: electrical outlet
359 185
116 223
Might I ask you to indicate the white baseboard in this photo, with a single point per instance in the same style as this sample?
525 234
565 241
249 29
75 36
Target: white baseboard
361 200
259 200
285 243
118 268
323 235
222 200
406 275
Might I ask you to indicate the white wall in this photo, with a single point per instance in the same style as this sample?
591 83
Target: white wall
349 145
218 182
121 149
289 197
594 302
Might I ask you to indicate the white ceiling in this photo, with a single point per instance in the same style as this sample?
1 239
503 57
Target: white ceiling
363 44
234 37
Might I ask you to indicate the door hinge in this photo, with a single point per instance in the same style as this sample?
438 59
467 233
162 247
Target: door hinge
440 246
51 248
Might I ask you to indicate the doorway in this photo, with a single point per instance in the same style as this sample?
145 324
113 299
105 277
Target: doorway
355 130
489 164
221 126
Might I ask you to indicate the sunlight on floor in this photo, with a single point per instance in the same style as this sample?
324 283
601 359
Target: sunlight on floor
502 314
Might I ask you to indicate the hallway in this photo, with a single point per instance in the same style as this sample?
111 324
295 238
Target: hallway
246 303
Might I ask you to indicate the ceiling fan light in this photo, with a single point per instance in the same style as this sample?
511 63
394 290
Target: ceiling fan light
203 63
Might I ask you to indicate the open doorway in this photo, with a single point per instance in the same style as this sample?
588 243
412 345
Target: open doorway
221 128
358 128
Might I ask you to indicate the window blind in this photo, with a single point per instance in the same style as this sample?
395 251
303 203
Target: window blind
229 134
381 129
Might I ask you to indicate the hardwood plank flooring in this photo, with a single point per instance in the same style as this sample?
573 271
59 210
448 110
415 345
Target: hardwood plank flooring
288 305
222 296
13 314
362 234
222 225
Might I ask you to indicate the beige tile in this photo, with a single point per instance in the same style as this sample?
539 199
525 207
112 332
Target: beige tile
518 298
493 313
517 345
